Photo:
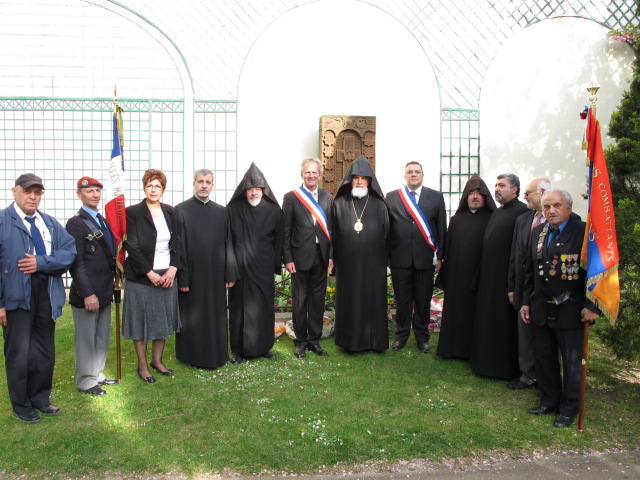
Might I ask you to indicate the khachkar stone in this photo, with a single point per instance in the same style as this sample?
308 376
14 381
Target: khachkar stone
343 138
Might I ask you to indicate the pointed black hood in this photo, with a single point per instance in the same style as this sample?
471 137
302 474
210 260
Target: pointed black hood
254 178
362 168
476 183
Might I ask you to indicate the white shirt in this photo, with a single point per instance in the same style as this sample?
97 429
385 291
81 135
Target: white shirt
44 231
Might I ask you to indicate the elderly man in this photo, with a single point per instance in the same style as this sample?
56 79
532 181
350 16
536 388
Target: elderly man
554 301
256 232
495 338
519 251
360 249
209 269
35 250
91 291
307 255
458 275
418 228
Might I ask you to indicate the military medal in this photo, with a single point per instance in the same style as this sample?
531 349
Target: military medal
552 271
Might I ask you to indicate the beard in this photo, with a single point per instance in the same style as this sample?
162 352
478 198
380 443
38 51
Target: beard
254 202
359 192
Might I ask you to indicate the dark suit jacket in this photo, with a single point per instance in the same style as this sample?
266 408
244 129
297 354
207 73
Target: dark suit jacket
91 271
141 241
540 288
407 243
300 233
519 252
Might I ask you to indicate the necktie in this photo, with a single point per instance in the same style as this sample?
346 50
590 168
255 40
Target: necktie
553 234
36 236
537 220
105 231
413 195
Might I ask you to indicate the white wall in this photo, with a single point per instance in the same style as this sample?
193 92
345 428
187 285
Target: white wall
336 58
532 95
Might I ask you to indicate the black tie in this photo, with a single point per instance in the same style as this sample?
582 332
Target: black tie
555 233
105 231
38 241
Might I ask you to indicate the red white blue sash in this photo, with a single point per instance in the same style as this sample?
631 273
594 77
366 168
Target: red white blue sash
314 208
418 217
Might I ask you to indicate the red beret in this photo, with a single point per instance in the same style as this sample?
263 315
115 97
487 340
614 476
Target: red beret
88 182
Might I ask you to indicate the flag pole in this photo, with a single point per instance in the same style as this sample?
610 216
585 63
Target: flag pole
593 99
117 291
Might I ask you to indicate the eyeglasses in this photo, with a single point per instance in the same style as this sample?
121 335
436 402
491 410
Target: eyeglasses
151 186
527 192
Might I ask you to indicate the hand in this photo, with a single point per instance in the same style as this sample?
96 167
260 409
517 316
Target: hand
512 297
588 316
154 278
28 265
229 284
91 303
290 267
438 265
3 317
184 289
168 278
525 313
330 264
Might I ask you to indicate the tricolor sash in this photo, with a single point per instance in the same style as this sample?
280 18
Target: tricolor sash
314 208
418 217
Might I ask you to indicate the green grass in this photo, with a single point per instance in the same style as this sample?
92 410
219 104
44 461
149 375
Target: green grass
319 414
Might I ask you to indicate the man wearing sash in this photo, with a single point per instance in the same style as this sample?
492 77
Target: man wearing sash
307 255
91 289
360 236
554 301
418 228
494 346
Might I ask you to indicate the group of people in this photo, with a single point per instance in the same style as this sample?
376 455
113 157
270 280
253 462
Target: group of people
514 290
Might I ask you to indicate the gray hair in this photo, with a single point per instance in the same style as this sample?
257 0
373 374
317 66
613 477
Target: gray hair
564 193
544 185
311 159
513 180
204 172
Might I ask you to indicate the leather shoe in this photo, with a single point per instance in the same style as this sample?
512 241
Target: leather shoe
236 359
95 391
49 410
398 345
149 379
31 417
520 385
168 372
542 410
269 355
424 347
562 421
108 381
317 349
300 352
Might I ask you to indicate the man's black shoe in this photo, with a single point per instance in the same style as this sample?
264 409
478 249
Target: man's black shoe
398 345
424 347
236 359
31 417
520 385
317 349
95 391
300 352
49 410
562 421
542 410
108 381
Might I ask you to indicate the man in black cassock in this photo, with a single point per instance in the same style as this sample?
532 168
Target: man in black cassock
209 268
256 230
459 272
494 348
360 251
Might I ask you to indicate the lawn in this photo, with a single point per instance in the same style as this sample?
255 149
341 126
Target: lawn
318 414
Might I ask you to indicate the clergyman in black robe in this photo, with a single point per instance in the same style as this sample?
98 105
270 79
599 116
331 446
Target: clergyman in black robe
209 268
458 275
257 233
494 348
360 251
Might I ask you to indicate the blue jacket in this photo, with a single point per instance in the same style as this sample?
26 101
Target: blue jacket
15 241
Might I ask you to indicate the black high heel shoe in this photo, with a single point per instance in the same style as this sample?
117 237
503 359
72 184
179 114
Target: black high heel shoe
168 373
149 379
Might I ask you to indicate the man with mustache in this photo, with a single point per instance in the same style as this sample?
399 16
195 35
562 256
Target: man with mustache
257 234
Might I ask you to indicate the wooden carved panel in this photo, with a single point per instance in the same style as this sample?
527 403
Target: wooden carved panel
344 138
